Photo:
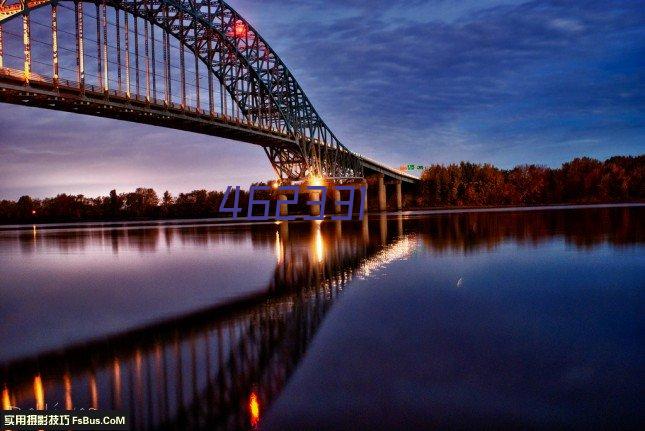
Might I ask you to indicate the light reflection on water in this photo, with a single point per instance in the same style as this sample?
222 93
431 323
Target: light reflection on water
215 319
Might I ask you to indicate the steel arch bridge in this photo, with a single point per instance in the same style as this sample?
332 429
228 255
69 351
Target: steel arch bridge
194 65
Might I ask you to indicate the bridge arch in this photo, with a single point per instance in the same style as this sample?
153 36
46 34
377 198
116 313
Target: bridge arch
251 72
164 17
277 114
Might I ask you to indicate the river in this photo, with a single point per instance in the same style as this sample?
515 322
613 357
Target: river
455 319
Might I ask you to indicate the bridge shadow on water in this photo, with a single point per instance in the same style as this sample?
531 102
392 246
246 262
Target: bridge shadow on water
221 367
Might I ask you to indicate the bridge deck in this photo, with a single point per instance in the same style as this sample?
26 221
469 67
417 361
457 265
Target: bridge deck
91 100
67 96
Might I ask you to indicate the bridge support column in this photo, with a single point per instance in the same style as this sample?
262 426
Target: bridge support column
398 195
284 208
382 201
336 197
314 210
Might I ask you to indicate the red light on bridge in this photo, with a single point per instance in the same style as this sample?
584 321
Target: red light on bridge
239 29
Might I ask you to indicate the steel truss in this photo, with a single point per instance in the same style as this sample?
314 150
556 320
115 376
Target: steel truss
262 87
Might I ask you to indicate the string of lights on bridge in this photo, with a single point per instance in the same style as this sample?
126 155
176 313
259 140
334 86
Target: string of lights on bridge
231 84
228 107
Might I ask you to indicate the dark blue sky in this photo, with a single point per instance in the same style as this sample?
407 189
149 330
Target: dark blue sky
506 82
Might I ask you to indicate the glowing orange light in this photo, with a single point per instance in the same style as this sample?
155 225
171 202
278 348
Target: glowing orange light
315 180
33 211
116 370
239 29
67 380
254 409
39 393
319 245
6 401
278 247
94 395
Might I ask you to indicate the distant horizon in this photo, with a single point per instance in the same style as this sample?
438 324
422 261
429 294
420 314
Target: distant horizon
245 186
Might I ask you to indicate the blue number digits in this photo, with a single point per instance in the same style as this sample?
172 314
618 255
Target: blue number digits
235 210
253 201
349 203
236 207
320 203
361 211
294 200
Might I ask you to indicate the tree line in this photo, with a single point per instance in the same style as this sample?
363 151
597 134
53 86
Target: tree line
582 180
143 203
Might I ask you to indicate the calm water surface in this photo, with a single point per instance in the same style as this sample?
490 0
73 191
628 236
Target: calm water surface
524 319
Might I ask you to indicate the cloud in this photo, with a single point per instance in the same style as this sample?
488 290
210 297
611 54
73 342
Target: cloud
552 68
502 81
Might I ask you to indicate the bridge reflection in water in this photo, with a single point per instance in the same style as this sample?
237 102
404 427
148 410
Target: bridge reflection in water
220 367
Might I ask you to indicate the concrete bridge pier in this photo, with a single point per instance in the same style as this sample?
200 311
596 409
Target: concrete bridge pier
284 208
398 195
314 210
382 196
336 197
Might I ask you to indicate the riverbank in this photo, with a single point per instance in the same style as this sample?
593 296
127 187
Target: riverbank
228 221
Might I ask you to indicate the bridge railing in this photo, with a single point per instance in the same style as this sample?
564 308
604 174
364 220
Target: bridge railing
207 62
19 77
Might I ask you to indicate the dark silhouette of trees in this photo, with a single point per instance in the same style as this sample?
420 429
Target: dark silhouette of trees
198 203
115 203
26 208
582 180
142 203
167 201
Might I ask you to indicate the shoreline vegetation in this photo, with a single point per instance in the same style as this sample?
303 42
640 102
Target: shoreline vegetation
619 179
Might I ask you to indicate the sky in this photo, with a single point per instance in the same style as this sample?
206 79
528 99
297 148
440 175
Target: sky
501 82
